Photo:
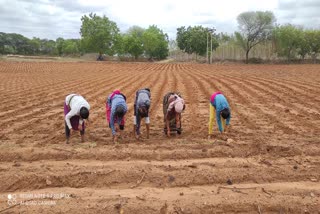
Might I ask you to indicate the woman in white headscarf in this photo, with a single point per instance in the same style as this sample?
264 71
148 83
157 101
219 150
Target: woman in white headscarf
175 107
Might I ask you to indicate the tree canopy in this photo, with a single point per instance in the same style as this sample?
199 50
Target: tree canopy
98 34
254 28
194 39
155 43
133 41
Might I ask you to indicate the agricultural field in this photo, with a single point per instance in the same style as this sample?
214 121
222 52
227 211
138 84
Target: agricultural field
268 162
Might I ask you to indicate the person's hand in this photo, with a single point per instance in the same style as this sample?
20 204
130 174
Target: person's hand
168 132
71 131
80 127
117 127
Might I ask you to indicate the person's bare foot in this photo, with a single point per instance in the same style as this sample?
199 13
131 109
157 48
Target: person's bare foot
82 139
67 141
115 139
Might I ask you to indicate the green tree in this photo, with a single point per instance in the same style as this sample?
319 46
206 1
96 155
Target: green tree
194 40
98 34
34 46
184 39
155 43
133 41
224 38
70 47
59 45
313 38
254 28
18 42
47 47
287 40
303 46
198 39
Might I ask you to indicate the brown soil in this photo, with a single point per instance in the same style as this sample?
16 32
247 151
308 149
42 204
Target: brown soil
269 160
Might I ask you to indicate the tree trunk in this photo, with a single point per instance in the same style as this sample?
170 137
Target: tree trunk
247 56
289 57
100 56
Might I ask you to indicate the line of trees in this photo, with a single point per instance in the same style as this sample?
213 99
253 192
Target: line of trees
98 35
102 35
292 41
256 28
12 43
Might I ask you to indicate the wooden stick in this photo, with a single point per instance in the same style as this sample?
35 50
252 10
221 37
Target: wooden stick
259 209
234 188
263 190
142 199
139 182
109 172
18 204
9 208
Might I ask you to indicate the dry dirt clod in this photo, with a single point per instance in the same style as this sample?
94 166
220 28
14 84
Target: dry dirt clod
48 181
229 181
16 164
229 140
181 193
117 206
313 179
171 178
163 209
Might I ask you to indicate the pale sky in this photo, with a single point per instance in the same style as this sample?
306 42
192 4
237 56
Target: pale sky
61 18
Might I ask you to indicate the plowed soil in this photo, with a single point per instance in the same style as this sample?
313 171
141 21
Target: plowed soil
268 162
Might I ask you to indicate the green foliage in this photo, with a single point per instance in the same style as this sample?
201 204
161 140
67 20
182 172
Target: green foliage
98 34
155 43
71 47
34 46
255 27
241 40
224 38
303 46
183 39
313 38
133 41
287 40
59 45
47 47
194 40
13 43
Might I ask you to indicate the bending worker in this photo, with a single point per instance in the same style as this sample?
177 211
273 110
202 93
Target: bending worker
219 110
